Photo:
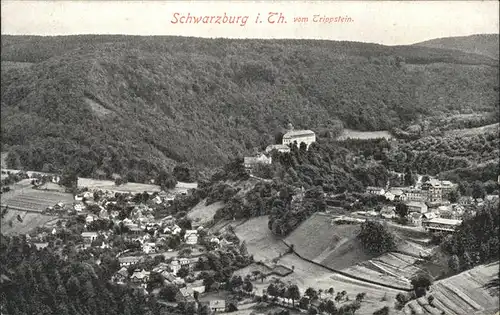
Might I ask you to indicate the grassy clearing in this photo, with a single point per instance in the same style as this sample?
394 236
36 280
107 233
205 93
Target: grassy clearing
364 135
335 246
202 213
309 275
259 239
29 199
30 221
474 131
130 187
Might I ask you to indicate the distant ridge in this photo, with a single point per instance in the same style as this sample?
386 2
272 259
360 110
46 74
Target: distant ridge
483 44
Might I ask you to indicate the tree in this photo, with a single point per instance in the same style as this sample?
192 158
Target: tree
166 180
247 286
421 284
402 210
243 249
454 263
169 292
383 311
425 178
409 178
293 293
376 238
360 297
182 173
183 272
478 190
454 195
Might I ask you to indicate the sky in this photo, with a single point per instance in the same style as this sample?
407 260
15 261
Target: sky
383 22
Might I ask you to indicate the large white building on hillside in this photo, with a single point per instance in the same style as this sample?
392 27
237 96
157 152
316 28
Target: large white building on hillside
299 136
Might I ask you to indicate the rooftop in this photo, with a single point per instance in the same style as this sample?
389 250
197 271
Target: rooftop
445 221
295 133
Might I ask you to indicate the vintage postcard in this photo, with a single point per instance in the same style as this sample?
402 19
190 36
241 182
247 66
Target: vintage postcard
249 157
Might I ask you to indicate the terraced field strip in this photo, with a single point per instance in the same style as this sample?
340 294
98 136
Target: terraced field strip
348 275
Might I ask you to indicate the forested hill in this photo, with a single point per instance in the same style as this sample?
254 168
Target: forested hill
124 103
483 44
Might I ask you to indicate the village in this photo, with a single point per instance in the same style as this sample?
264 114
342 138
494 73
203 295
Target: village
178 260
428 204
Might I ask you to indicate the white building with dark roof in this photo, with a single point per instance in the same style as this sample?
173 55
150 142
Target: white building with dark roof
299 136
279 147
251 161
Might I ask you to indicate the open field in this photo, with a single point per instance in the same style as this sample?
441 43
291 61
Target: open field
331 245
24 198
337 247
260 241
363 135
202 213
493 128
307 275
30 221
129 187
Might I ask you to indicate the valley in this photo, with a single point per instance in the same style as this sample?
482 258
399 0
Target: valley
156 175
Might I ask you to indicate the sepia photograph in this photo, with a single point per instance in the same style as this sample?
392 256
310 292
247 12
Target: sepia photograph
249 157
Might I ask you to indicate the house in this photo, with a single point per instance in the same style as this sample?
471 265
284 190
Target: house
215 240
184 262
129 260
175 266
103 214
140 277
440 224
388 213
191 237
447 186
250 162
433 189
169 220
148 248
176 229
121 275
89 237
41 245
135 229
79 207
375 190
429 216
491 198
299 136
157 200
217 306
465 200
415 218
412 194
416 206
168 277
278 147
189 290
90 218
161 267
225 243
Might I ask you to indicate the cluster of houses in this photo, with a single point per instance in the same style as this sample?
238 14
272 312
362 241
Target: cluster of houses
292 136
427 204
432 190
